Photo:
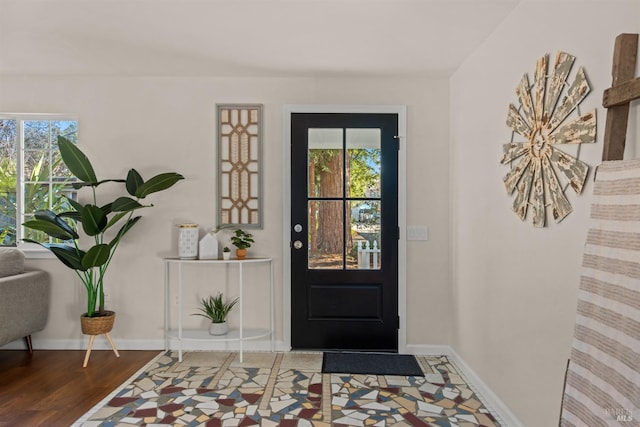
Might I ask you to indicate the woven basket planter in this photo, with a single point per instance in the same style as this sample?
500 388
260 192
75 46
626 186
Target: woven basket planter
99 325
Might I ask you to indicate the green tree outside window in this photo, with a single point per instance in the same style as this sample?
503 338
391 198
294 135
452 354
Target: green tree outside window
30 146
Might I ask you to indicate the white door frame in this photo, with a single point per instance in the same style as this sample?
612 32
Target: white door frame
401 111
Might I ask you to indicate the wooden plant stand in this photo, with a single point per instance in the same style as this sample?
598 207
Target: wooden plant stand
99 325
91 339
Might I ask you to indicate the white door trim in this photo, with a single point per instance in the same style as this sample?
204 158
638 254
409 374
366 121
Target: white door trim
401 110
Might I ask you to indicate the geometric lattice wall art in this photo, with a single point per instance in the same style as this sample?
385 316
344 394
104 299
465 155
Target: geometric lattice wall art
239 165
548 116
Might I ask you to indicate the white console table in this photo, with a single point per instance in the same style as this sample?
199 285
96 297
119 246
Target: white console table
241 334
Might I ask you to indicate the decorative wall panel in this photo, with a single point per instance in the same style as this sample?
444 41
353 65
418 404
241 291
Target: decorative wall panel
239 165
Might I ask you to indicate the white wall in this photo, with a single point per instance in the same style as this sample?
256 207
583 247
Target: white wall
159 124
515 286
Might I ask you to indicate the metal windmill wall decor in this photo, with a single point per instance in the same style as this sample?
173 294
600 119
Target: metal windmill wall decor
540 171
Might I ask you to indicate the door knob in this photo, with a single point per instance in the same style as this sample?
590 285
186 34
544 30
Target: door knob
297 228
297 244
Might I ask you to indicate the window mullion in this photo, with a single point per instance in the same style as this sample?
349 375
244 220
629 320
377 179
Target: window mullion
20 180
50 171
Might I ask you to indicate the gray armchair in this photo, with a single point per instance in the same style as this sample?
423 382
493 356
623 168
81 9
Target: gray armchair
24 298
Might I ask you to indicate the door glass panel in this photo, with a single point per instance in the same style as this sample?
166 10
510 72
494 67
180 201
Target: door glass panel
325 162
325 234
362 243
363 167
363 240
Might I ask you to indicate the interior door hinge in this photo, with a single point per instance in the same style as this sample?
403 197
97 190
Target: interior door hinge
398 322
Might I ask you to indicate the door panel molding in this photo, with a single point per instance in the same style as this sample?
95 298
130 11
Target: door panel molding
401 111
326 307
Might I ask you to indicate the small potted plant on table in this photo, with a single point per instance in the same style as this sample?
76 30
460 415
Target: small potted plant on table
216 310
242 241
226 253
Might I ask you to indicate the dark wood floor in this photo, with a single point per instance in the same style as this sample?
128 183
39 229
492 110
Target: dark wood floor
51 388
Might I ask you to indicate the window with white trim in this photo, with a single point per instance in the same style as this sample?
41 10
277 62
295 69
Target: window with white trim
32 174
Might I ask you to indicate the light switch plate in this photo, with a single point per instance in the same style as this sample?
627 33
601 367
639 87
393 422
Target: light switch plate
417 232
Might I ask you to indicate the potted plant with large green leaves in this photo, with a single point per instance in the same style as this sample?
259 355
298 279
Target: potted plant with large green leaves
103 226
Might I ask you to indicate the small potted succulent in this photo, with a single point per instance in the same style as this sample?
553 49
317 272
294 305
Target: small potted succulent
215 309
226 252
242 241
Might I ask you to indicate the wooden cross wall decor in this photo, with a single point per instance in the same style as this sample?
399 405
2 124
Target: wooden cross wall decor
624 89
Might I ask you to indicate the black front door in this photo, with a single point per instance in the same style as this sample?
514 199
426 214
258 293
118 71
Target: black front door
344 234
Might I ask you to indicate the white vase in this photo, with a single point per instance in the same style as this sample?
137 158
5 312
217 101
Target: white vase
188 241
219 328
208 246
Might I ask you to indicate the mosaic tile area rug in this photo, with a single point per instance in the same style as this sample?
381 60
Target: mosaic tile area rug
371 363
287 389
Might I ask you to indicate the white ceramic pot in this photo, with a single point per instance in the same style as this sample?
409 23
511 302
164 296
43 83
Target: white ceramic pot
219 328
226 255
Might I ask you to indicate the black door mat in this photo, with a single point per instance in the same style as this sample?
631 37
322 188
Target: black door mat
371 363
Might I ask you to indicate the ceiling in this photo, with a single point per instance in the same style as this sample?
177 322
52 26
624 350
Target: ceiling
311 38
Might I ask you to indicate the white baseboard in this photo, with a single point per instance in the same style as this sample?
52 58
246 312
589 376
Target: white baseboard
429 350
81 343
505 416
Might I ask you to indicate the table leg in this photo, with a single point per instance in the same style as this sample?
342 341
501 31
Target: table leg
179 312
166 305
272 308
241 313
